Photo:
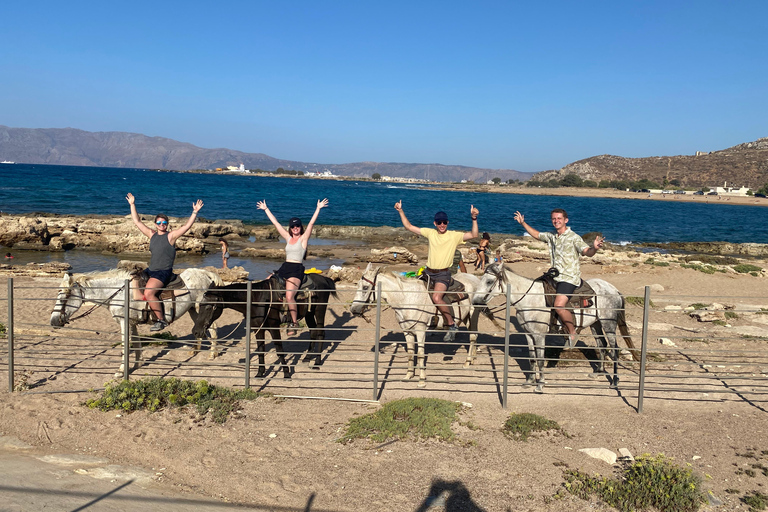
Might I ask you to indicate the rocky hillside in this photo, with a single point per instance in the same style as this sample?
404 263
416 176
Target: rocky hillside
742 165
68 146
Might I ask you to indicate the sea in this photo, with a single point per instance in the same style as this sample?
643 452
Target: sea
26 188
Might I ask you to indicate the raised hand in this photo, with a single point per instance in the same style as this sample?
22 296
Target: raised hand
322 204
598 243
130 198
262 205
473 211
519 217
399 205
197 205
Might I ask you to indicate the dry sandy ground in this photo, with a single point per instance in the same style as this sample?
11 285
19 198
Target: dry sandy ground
282 454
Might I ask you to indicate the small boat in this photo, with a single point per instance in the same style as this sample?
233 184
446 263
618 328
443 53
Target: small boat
7 162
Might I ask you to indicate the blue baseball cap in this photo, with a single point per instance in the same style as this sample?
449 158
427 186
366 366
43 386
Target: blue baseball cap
441 216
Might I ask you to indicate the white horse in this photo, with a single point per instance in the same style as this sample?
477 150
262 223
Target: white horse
414 310
107 289
527 296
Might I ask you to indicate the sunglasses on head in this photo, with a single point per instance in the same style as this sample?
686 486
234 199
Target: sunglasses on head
441 222
161 222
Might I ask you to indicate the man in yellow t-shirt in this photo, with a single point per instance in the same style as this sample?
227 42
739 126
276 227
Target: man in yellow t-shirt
442 246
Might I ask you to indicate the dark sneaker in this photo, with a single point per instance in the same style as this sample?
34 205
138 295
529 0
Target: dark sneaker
451 334
158 326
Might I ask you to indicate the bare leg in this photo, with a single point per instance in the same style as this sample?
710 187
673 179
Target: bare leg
445 309
566 317
150 294
291 285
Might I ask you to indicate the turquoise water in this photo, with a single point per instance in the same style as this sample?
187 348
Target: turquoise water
28 188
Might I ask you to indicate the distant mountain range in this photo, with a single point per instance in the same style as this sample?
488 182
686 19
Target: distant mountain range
742 165
69 146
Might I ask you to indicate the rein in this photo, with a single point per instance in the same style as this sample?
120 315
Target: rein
93 308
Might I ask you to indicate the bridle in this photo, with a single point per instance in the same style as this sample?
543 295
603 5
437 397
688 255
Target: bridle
372 293
62 303
496 283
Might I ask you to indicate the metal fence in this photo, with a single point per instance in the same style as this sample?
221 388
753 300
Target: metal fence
364 358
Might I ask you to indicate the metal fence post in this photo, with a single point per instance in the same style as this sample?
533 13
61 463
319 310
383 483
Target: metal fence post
248 289
9 333
376 343
127 330
643 348
506 347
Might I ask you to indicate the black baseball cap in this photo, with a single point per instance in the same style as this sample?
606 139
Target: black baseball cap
295 221
441 216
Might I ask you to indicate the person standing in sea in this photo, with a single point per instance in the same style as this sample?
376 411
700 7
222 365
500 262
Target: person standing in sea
442 246
565 247
292 271
224 252
163 254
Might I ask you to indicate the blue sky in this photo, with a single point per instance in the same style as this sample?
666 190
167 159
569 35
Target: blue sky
514 85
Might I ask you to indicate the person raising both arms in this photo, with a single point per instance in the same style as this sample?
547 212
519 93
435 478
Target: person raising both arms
163 253
442 246
292 271
565 247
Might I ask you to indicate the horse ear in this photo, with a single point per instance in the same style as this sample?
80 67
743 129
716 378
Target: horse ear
67 281
368 268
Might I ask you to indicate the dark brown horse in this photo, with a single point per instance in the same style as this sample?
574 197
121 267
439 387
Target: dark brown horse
266 307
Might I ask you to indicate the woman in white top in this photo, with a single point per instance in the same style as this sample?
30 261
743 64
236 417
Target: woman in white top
296 238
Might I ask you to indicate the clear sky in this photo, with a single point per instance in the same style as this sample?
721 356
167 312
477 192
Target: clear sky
518 85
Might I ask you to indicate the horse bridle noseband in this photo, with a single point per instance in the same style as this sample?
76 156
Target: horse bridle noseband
96 304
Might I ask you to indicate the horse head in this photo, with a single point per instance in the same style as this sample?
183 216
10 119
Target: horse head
491 283
366 290
210 308
69 300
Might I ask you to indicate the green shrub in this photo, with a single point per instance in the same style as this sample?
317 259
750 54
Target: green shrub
521 425
637 301
157 393
2 330
649 482
755 501
731 315
745 268
699 305
707 269
411 417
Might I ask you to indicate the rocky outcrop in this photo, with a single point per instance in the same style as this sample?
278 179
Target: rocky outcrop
724 248
110 234
395 254
36 269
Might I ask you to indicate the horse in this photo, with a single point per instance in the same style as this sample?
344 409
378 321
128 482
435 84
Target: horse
266 305
533 315
415 310
107 289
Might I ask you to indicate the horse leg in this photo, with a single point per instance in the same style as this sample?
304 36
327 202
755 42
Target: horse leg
598 368
133 346
614 354
193 315
213 333
316 335
422 360
261 372
472 352
538 363
410 342
280 355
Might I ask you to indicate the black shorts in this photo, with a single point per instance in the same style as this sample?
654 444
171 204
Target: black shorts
163 275
444 276
566 289
289 269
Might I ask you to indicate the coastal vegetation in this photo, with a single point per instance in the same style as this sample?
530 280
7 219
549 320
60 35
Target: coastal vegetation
520 426
647 483
157 393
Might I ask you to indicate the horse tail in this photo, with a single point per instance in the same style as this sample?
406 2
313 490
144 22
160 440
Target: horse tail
621 321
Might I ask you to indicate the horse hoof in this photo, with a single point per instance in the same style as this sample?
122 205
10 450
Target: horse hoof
539 389
422 384
615 383
408 376
596 374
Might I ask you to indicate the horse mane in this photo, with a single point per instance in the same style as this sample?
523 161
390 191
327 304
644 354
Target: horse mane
85 279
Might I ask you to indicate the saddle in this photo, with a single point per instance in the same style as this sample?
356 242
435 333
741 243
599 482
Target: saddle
304 292
455 292
583 297
167 294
